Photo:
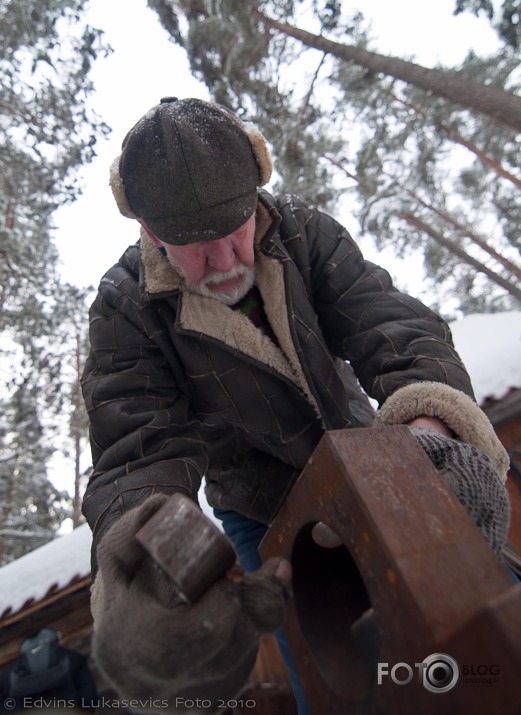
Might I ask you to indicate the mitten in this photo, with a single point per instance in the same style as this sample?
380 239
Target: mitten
473 478
154 647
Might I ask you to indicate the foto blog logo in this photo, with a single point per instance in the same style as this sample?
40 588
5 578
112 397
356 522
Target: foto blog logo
438 673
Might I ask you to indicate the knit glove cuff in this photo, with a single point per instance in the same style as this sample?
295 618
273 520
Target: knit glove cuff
471 475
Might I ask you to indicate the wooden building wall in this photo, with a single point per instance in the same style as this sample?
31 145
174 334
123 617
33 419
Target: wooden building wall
505 415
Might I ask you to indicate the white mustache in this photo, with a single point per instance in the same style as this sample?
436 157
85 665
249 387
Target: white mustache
220 277
230 298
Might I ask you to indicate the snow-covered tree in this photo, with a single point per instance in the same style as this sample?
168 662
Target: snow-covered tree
31 508
48 132
426 157
506 19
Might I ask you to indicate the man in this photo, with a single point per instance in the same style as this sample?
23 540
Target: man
223 346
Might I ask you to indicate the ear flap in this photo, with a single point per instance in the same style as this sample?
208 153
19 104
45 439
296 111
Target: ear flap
260 150
118 190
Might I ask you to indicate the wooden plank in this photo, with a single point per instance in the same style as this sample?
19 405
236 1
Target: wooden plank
68 613
49 598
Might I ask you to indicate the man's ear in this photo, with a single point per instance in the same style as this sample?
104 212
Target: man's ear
150 234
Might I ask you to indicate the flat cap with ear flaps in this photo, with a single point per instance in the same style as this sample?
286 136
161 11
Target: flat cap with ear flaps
190 170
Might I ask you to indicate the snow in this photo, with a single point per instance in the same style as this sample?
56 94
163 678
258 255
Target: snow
52 566
490 346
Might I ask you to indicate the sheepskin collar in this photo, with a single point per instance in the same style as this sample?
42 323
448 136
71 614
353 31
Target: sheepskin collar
206 316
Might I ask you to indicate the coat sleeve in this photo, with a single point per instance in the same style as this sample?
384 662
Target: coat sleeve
389 338
143 435
401 351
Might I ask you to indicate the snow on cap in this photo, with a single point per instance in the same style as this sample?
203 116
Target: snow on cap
190 170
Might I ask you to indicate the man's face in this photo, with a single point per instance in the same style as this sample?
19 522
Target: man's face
222 269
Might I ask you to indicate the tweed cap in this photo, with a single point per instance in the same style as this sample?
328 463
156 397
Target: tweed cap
190 170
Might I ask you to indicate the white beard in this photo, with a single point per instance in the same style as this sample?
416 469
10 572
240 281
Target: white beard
228 298
246 274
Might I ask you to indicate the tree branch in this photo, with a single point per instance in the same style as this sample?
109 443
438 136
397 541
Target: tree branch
458 251
487 160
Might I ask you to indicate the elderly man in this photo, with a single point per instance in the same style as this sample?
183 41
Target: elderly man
223 345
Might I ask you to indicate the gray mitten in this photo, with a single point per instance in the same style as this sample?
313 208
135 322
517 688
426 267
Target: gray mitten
153 647
472 477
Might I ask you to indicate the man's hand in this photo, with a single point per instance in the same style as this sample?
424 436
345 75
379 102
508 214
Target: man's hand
432 423
153 647
467 471
473 478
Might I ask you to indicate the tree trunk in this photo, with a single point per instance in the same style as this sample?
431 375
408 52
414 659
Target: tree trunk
439 238
505 262
77 433
502 106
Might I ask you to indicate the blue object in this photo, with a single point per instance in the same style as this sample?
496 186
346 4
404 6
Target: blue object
246 535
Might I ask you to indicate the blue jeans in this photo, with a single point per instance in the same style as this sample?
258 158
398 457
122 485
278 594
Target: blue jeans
246 535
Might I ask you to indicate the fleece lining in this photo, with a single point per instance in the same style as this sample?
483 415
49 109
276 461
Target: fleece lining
211 317
455 408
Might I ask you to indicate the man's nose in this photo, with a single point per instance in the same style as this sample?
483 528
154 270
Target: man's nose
220 254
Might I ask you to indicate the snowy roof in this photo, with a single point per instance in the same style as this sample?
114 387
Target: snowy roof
52 567
490 346
49 568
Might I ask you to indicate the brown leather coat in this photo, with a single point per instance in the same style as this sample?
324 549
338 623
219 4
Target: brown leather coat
179 386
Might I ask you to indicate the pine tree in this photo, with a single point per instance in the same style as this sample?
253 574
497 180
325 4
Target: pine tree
441 171
506 21
423 168
31 508
48 133
47 52
494 102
